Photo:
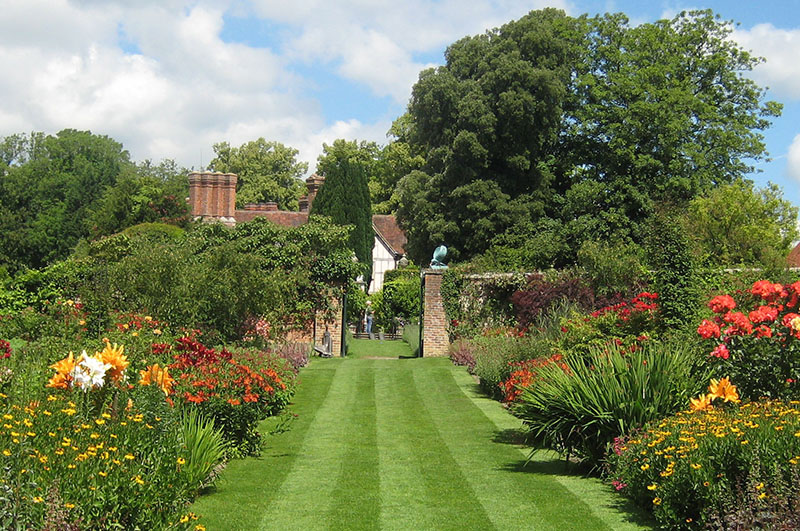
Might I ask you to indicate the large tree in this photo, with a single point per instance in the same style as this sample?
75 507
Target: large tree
738 224
588 122
268 171
152 193
344 197
49 186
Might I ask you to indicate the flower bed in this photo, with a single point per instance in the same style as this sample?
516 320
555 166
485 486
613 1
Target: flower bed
113 439
735 468
627 325
756 341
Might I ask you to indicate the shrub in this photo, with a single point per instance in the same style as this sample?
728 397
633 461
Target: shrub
614 269
674 270
495 358
525 373
540 294
295 353
756 341
605 393
401 295
474 303
725 468
461 354
627 324
114 468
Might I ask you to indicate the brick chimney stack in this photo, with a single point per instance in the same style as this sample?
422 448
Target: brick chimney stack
313 185
212 196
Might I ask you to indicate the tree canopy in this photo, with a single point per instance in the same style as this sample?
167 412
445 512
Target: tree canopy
267 170
584 121
738 224
49 186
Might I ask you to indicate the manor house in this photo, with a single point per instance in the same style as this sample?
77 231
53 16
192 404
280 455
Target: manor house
212 197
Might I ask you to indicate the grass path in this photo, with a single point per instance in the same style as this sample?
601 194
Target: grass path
402 444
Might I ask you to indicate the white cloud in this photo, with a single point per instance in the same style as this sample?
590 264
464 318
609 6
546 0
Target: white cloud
374 41
186 88
781 48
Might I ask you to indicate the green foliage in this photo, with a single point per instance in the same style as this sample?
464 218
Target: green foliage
356 303
527 246
571 130
204 448
50 187
213 277
401 296
154 232
268 171
151 194
344 197
495 357
613 268
606 393
673 265
758 232
477 302
127 475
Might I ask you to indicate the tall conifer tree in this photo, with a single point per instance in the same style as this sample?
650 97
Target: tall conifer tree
344 197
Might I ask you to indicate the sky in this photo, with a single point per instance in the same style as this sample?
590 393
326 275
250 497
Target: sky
170 78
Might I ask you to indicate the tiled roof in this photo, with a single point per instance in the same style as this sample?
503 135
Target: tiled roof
387 228
794 257
385 225
280 217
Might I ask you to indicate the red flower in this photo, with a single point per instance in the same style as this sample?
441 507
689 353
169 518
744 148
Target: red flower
764 314
767 290
5 349
788 318
721 352
763 331
722 303
741 324
708 329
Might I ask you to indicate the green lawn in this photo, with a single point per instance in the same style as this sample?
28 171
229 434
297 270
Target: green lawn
375 348
402 444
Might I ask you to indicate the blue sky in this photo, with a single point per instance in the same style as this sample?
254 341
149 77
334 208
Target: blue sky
169 78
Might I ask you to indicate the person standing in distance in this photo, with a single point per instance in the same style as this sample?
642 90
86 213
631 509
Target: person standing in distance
369 315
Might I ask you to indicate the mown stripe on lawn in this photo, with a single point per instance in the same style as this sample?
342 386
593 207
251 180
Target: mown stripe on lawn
239 504
310 488
514 496
617 512
422 487
356 497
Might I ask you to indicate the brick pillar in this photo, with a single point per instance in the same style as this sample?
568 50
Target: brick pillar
212 196
435 341
334 327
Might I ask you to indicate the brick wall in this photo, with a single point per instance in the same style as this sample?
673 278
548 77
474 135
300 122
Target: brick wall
333 326
435 341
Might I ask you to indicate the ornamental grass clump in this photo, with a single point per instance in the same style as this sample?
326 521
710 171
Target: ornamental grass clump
718 465
756 340
605 393
204 448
